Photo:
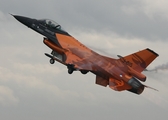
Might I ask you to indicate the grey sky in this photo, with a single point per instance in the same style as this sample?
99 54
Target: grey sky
31 88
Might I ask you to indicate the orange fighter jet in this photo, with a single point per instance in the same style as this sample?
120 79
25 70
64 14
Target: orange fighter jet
120 74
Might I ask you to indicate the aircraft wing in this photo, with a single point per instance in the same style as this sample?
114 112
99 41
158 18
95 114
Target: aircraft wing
79 63
139 60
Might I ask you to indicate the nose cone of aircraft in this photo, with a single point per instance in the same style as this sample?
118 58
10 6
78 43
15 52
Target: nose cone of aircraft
24 20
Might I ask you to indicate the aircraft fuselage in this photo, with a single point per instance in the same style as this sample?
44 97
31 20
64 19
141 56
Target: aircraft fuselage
119 74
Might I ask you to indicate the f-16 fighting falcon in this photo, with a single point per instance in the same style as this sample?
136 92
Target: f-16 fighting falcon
119 74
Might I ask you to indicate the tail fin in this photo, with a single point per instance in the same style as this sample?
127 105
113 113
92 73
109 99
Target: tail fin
139 60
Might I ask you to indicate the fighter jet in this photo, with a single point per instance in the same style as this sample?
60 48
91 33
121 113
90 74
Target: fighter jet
119 74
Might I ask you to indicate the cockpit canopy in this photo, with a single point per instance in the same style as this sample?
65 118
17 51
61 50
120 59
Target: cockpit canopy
52 24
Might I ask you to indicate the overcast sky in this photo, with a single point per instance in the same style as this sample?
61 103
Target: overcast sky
32 89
